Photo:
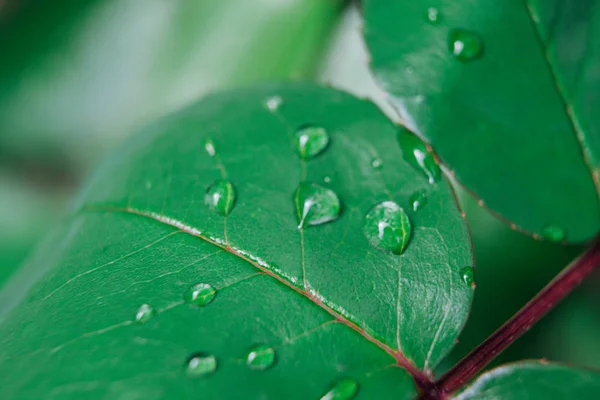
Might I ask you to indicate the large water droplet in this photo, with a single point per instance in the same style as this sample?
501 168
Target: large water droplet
200 365
310 141
220 197
260 357
418 199
554 233
344 389
467 275
387 226
415 153
433 15
315 204
144 313
465 45
200 294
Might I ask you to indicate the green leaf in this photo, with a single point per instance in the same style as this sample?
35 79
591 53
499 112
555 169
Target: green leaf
77 76
507 95
334 308
534 380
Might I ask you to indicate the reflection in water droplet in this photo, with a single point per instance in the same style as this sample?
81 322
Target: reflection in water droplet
554 233
433 15
465 45
274 102
387 226
144 313
209 146
418 199
415 153
200 294
310 141
315 204
200 365
467 275
344 389
260 357
377 163
220 197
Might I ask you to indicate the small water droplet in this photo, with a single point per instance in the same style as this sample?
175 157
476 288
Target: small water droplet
260 357
415 153
310 141
467 275
315 204
209 146
144 313
418 199
387 226
344 389
465 45
433 15
200 365
200 294
274 102
554 233
327 179
220 197
377 163
409 70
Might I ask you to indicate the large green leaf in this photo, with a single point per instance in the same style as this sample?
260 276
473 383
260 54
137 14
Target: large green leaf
534 380
330 304
78 75
512 120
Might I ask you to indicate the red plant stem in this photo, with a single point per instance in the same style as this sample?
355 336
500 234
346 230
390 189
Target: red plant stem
533 311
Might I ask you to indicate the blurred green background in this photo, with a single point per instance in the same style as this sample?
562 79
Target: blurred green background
77 76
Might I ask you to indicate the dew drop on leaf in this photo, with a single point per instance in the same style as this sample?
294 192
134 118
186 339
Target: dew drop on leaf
310 141
144 313
315 204
418 199
433 15
554 233
415 153
344 389
387 227
200 294
273 103
209 146
260 357
467 275
465 45
220 197
200 365
377 163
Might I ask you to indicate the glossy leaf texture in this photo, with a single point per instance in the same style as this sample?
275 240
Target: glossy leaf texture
295 313
506 92
77 76
534 380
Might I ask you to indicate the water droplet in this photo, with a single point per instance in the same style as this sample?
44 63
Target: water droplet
377 163
465 45
220 197
554 233
200 365
209 146
467 275
327 179
200 294
418 199
315 204
260 357
310 141
409 70
415 153
387 226
144 313
344 389
433 15
274 102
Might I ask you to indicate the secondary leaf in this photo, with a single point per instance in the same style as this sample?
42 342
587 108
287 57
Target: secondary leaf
507 93
333 308
534 380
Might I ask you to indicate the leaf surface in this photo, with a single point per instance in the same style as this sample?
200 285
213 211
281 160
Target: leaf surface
516 121
330 304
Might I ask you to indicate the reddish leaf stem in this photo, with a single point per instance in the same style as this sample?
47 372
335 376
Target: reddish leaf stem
533 311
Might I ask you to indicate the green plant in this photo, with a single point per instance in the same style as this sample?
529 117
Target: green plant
291 241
